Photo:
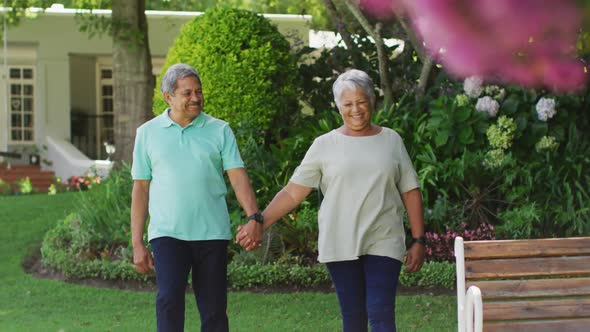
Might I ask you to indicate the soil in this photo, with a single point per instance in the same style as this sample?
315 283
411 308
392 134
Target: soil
34 266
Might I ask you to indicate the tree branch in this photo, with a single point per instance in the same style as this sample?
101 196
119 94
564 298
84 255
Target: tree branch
341 28
386 84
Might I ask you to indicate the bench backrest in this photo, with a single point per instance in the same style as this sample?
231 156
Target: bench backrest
530 285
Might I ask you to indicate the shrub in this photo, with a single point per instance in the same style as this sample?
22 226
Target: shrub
94 241
5 188
80 183
247 71
24 186
432 274
440 247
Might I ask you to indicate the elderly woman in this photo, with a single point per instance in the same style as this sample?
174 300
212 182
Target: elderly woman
367 178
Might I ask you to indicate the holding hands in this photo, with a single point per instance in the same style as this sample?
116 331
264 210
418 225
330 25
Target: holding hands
250 235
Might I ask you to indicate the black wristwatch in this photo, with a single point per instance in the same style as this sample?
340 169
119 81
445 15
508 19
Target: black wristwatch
257 216
421 240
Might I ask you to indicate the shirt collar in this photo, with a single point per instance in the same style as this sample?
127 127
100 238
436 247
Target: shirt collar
166 121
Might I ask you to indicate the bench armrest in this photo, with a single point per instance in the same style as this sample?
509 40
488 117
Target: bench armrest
473 310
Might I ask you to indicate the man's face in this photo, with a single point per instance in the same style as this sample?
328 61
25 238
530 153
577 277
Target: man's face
187 100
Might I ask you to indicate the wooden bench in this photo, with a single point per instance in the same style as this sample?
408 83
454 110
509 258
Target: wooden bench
536 285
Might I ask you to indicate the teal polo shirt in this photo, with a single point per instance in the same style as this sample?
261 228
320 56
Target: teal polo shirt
185 167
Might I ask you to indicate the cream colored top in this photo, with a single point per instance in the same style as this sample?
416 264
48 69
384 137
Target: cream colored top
362 179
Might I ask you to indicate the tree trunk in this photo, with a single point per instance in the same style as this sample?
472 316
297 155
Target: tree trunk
424 57
340 26
132 74
386 84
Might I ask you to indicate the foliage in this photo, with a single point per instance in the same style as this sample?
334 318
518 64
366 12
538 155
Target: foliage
94 241
5 188
519 222
432 274
319 70
274 275
440 246
247 71
80 183
105 211
69 248
24 186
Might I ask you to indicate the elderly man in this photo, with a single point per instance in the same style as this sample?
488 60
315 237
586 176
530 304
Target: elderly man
178 164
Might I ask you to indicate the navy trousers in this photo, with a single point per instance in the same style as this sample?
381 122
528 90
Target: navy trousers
173 260
366 292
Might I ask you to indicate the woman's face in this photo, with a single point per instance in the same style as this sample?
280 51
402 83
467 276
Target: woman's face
355 109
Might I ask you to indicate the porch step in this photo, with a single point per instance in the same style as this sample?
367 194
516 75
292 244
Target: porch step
41 180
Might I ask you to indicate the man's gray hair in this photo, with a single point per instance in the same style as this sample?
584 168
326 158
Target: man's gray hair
353 79
175 72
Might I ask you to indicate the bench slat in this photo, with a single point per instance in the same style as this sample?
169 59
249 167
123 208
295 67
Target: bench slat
547 309
506 289
527 248
527 267
574 325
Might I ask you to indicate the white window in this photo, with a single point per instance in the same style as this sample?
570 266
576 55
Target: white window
105 125
21 83
105 107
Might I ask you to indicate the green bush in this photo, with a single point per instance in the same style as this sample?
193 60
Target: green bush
68 248
5 188
94 241
106 209
248 74
432 274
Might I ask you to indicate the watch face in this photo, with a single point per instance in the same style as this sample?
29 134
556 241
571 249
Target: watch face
257 217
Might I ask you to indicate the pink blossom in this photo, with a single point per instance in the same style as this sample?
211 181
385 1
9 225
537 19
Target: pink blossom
522 41
383 9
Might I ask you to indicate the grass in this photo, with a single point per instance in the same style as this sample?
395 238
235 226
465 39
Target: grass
31 304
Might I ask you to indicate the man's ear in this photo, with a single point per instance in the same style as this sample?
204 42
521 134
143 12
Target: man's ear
167 97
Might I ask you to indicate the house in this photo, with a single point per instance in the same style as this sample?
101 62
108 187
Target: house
56 93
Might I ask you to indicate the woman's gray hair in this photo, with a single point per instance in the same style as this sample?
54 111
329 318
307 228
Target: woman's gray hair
353 79
175 72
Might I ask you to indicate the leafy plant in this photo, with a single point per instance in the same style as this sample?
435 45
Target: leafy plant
440 246
248 72
25 186
521 222
5 188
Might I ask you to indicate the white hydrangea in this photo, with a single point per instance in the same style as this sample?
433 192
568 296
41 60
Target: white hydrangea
488 105
473 86
545 108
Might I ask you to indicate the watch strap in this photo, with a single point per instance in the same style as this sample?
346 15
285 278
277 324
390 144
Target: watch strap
421 240
257 216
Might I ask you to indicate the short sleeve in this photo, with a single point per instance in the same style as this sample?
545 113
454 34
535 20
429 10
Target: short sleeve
309 172
230 153
141 168
408 179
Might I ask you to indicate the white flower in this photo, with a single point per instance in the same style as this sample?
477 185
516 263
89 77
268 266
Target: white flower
472 86
487 104
545 108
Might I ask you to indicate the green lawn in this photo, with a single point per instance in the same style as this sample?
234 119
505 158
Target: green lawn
30 304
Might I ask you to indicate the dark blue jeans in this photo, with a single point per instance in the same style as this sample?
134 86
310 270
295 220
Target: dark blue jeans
173 261
366 291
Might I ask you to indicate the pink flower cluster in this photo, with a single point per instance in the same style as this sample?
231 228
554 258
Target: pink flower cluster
78 183
527 42
440 247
